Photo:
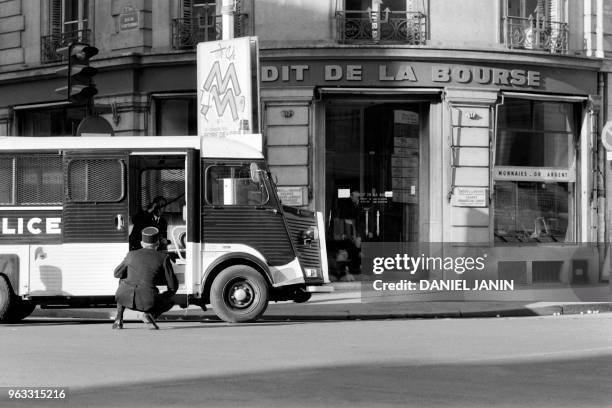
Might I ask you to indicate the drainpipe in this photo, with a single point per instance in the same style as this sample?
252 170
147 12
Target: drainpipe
227 19
599 32
603 189
588 28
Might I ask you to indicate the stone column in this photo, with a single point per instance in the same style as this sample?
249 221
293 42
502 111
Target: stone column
470 121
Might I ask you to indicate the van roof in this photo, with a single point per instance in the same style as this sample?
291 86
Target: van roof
233 146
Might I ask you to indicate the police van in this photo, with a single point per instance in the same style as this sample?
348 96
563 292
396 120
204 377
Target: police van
66 205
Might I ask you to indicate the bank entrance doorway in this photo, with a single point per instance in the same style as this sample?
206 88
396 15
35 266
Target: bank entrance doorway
373 176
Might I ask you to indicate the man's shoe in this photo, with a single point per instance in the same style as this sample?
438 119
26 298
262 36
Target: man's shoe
149 321
117 325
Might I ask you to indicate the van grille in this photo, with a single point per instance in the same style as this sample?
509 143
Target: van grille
298 221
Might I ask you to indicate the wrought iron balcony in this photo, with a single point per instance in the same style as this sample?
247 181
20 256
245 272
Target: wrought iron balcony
370 27
50 43
188 32
536 33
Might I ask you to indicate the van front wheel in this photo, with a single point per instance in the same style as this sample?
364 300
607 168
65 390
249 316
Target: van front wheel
239 294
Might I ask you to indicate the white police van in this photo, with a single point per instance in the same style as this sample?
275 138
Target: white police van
66 205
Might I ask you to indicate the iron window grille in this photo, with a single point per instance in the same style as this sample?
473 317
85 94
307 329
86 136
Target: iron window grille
536 33
50 44
359 26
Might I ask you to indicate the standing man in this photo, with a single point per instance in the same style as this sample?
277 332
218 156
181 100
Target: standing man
353 230
151 217
140 273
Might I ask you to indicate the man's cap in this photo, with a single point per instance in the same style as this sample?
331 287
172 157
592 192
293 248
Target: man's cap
150 235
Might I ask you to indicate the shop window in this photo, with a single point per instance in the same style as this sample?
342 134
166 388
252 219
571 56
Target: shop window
96 180
535 24
176 116
31 180
232 185
535 172
61 121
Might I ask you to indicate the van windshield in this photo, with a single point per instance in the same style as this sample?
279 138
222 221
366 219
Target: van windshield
233 185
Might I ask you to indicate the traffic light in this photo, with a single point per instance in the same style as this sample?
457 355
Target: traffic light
80 87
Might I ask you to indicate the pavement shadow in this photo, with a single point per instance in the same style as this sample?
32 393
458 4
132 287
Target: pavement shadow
560 382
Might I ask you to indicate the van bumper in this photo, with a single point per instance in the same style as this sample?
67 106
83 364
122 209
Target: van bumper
319 289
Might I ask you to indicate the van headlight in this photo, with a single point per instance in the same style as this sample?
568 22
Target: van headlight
312 273
309 235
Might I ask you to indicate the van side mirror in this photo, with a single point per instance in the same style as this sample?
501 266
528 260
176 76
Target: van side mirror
254 170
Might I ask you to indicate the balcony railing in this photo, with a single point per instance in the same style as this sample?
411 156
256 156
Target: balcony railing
536 33
50 44
188 32
367 27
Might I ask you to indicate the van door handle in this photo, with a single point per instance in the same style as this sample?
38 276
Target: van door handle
268 209
120 222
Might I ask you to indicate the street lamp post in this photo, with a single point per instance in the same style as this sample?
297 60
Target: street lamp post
227 19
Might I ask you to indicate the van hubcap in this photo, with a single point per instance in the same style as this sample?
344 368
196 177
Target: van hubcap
241 294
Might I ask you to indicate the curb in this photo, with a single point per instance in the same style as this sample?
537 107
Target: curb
357 311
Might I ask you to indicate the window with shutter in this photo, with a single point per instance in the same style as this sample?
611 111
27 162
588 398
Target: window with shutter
187 8
74 16
239 29
55 18
68 22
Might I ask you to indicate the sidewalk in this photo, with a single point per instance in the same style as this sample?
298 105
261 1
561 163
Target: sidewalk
345 304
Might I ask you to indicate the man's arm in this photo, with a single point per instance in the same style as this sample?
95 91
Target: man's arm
121 270
171 280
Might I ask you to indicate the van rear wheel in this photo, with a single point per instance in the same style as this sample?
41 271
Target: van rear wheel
239 294
6 299
20 310
12 309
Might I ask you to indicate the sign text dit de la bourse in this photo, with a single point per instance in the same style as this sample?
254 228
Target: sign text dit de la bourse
421 74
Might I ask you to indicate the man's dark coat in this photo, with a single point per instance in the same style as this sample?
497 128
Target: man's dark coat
140 272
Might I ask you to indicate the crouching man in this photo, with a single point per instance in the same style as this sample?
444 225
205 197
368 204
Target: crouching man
140 273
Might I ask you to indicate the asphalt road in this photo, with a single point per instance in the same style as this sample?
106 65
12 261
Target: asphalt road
554 361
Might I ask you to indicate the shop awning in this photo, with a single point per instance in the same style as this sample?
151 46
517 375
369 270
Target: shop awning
411 93
545 97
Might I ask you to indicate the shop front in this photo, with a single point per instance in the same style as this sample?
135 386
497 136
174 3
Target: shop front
486 153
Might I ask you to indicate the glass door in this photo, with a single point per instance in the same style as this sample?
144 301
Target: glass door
372 177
